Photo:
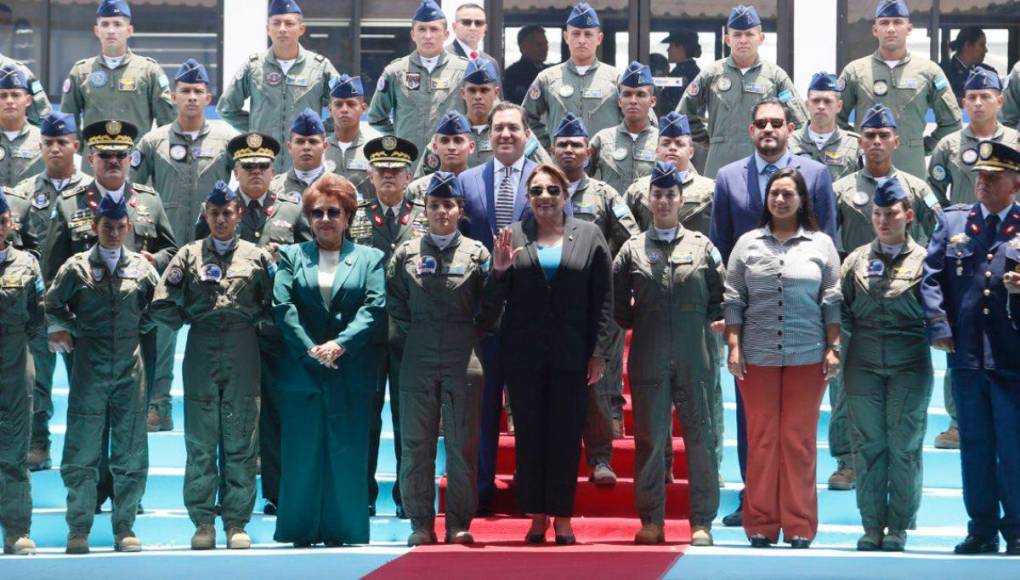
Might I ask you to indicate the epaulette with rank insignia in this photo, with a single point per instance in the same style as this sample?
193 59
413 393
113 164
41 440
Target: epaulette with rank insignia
139 188
11 192
289 197
957 207
74 192
319 58
254 57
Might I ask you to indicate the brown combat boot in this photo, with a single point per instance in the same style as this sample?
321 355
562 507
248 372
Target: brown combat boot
238 539
77 543
650 534
948 439
204 538
127 542
39 459
701 536
843 478
156 422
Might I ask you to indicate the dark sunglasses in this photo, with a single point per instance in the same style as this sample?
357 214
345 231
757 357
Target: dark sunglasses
538 190
469 22
328 213
762 123
108 155
256 166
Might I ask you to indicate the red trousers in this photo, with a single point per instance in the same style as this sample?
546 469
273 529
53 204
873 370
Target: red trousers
781 405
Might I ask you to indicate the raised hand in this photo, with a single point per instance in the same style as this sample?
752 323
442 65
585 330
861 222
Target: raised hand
504 254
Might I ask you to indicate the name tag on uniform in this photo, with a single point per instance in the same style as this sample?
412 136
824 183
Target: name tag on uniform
833 158
455 271
584 209
127 273
297 81
11 281
591 94
907 84
668 81
754 88
683 260
440 84
23 153
127 85
485 146
203 152
238 272
644 155
357 165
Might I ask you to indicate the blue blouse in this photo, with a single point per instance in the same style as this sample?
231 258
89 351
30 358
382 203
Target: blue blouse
549 259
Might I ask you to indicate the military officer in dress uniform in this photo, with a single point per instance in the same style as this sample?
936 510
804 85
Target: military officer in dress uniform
596 201
623 153
727 89
385 223
31 203
279 82
307 147
117 84
21 321
181 160
971 294
268 220
346 106
887 377
668 287
582 84
415 91
451 147
96 308
906 83
19 156
821 139
222 287
683 49
40 105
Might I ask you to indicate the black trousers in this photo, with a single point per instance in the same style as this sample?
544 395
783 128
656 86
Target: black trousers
549 411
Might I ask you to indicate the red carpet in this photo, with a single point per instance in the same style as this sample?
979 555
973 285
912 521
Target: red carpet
604 550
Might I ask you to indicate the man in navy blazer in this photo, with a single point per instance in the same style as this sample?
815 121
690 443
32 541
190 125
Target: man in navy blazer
740 186
487 212
740 198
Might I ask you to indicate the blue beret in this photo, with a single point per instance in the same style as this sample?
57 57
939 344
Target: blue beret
481 72
674 125
58 125
980 79
824 81
308 123
114 210
453 123
445 184
347 87
221 194
889 193
879 117
277 7
892 9
995 156
571 126
637 75
743 18
429 11
12 77
109 8
192 72
4 206
665 174
583 16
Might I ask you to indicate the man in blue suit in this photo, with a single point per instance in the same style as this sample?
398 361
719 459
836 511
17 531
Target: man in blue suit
971 294
739 199
495 197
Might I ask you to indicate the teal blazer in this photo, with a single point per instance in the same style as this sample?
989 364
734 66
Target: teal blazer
357 306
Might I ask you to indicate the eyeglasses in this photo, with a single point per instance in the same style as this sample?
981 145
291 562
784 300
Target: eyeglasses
328 213
475 23
108 155
762 123
538 190
256 166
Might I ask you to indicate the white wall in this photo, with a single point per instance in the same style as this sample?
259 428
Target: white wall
243 34
814 40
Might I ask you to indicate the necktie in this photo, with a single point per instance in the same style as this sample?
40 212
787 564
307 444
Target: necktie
255 209
505 199
770 169
391 221
991 229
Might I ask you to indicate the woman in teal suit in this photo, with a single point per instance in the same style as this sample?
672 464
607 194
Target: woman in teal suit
328 296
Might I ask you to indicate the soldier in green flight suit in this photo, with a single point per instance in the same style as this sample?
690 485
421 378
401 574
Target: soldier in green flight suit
31 204
596 201
279 82
821 139
726 90
117 84
451 147
668 287
887 376
626 152
385 223
181 161
346 106
433 292
269 220
40 105
96 308
906 83
582 84
21 321
19 156
222 286
416 90
307 147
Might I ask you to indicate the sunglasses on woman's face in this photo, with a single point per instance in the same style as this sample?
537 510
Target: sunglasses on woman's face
328 213
538 190
762 123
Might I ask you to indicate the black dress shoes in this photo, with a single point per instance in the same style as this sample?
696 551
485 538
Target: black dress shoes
975 545
270 508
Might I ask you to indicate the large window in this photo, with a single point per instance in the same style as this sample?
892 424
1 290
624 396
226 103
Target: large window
329 31
552 15
21 26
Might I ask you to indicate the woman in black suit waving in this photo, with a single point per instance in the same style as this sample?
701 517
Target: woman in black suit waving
552 279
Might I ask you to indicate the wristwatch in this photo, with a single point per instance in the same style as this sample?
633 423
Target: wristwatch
835 348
